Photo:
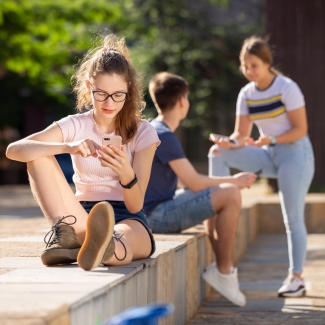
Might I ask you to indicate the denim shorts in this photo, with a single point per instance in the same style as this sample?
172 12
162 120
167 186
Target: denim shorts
122 213
185 210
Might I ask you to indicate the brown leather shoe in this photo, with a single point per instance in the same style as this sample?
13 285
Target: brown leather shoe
63 245
99 245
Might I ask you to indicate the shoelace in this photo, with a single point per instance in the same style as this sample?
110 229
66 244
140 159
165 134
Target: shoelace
54 231
118 235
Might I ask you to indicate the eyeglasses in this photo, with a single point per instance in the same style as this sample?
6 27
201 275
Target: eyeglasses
102 96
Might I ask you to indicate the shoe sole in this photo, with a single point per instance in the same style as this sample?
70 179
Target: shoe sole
59 256
299 293
99 232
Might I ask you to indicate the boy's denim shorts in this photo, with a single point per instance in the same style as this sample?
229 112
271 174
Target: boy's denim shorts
122 213
185 210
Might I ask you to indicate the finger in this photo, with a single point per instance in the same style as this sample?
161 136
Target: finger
106 156
108 151
115 149
96 145
92 148
112 159
86 149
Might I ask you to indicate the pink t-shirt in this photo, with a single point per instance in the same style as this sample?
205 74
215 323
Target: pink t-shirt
94 182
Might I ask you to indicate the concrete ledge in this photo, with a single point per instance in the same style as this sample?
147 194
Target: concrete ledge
270 219
33 294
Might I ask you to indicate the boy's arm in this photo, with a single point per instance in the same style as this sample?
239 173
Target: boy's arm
197 182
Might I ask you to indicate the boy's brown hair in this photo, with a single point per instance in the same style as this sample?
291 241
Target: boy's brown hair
166 88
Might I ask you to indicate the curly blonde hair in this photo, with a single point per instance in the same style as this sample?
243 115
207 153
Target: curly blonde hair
112 57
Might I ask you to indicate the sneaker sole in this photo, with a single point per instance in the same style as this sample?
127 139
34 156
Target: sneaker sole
99 232
59 256
299 293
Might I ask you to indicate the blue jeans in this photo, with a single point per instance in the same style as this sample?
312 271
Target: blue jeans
293 165
185 210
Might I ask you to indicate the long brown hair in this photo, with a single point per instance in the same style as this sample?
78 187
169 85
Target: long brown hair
259 47
112 57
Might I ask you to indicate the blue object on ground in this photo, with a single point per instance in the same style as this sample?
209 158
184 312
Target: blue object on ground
147 315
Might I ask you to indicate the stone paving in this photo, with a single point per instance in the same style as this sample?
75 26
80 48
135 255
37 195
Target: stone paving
260 274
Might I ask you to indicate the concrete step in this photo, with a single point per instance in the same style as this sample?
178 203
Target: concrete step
261 273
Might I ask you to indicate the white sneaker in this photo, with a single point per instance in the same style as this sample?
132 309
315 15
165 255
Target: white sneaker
225 284
292 287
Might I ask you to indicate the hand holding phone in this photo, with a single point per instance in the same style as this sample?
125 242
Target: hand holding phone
258 172
214 137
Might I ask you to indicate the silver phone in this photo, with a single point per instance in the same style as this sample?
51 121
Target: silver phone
215 136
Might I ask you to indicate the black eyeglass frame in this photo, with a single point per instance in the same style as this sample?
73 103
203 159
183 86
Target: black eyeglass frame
110 95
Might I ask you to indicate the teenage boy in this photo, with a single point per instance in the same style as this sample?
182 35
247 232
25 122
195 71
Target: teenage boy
216 201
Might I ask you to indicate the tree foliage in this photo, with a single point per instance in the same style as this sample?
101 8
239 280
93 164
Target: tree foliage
41 40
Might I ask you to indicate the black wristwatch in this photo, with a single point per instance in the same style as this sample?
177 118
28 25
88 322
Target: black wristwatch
131 184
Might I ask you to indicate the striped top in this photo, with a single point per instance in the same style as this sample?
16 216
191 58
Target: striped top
268 108
94 182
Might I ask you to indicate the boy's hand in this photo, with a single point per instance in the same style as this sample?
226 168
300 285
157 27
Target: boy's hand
244 179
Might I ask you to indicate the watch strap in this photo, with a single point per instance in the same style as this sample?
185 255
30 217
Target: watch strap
131 184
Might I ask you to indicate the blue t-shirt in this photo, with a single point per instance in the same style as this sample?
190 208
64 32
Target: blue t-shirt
163 181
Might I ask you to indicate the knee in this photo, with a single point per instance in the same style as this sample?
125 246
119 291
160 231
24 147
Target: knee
214 150
227 195
40 161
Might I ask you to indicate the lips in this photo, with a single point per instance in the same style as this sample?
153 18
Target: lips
108 111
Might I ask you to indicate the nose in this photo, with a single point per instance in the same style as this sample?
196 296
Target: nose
109 100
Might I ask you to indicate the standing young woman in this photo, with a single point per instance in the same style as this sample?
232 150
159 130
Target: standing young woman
275 104
110 180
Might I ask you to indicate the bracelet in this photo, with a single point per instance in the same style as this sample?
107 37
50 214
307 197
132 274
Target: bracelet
131 184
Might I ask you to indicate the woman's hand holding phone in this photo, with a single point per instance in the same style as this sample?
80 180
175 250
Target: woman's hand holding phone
115 157
222 141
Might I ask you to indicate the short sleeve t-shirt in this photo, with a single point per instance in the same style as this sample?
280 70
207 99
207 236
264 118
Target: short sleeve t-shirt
94 182
268 108
163 181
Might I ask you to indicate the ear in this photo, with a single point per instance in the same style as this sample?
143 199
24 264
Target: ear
181 101
88 85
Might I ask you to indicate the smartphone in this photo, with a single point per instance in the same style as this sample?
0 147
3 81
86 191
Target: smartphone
258 172
215 136
115 140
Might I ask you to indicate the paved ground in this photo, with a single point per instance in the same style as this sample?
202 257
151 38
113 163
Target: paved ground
260 273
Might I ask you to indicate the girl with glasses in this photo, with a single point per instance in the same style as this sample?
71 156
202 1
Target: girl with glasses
103 221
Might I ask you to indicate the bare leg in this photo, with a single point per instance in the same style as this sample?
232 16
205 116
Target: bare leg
136 240
54 195
221 229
